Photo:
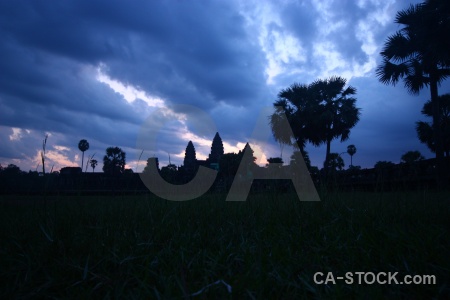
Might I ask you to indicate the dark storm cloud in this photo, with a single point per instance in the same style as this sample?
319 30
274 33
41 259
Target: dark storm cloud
156 45
301 18
54 28
36 84
203 58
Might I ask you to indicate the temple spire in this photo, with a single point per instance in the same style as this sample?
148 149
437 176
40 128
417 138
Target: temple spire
190 160
216 149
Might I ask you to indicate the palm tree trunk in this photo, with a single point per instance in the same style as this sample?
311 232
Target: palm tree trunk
327 158
82 161
437 132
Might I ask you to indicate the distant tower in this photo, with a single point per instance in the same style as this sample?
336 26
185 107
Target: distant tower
247 146
248 160
190 160
251 158
216 150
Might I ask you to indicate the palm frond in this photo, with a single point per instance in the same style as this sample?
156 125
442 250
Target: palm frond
443 73
410 15
280 125
398 48
349 91
427 109
390 73
425 134
416 79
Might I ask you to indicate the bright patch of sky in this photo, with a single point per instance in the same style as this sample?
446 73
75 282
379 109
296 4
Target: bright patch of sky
61 148
16 134
280 47
129 92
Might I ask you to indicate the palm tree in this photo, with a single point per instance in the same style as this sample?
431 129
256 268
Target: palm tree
317 113
419 53
351 150
292 108
83 145
335 114
94 163
425 130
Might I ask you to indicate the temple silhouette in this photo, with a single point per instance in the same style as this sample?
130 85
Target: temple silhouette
191 163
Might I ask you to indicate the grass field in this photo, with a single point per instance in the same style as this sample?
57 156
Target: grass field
267 247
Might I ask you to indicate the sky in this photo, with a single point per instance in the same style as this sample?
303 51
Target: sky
148 76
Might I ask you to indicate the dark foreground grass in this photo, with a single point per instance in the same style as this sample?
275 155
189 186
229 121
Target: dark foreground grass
267 247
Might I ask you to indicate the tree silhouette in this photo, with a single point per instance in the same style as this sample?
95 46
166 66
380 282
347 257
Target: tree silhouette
335 162
336 114
410 161
351 150
274 160
419 53
425 130
169 173
216 149
94 163
114 161
294 106
317 113
296 156
411 157
83 145
11 170
383 164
